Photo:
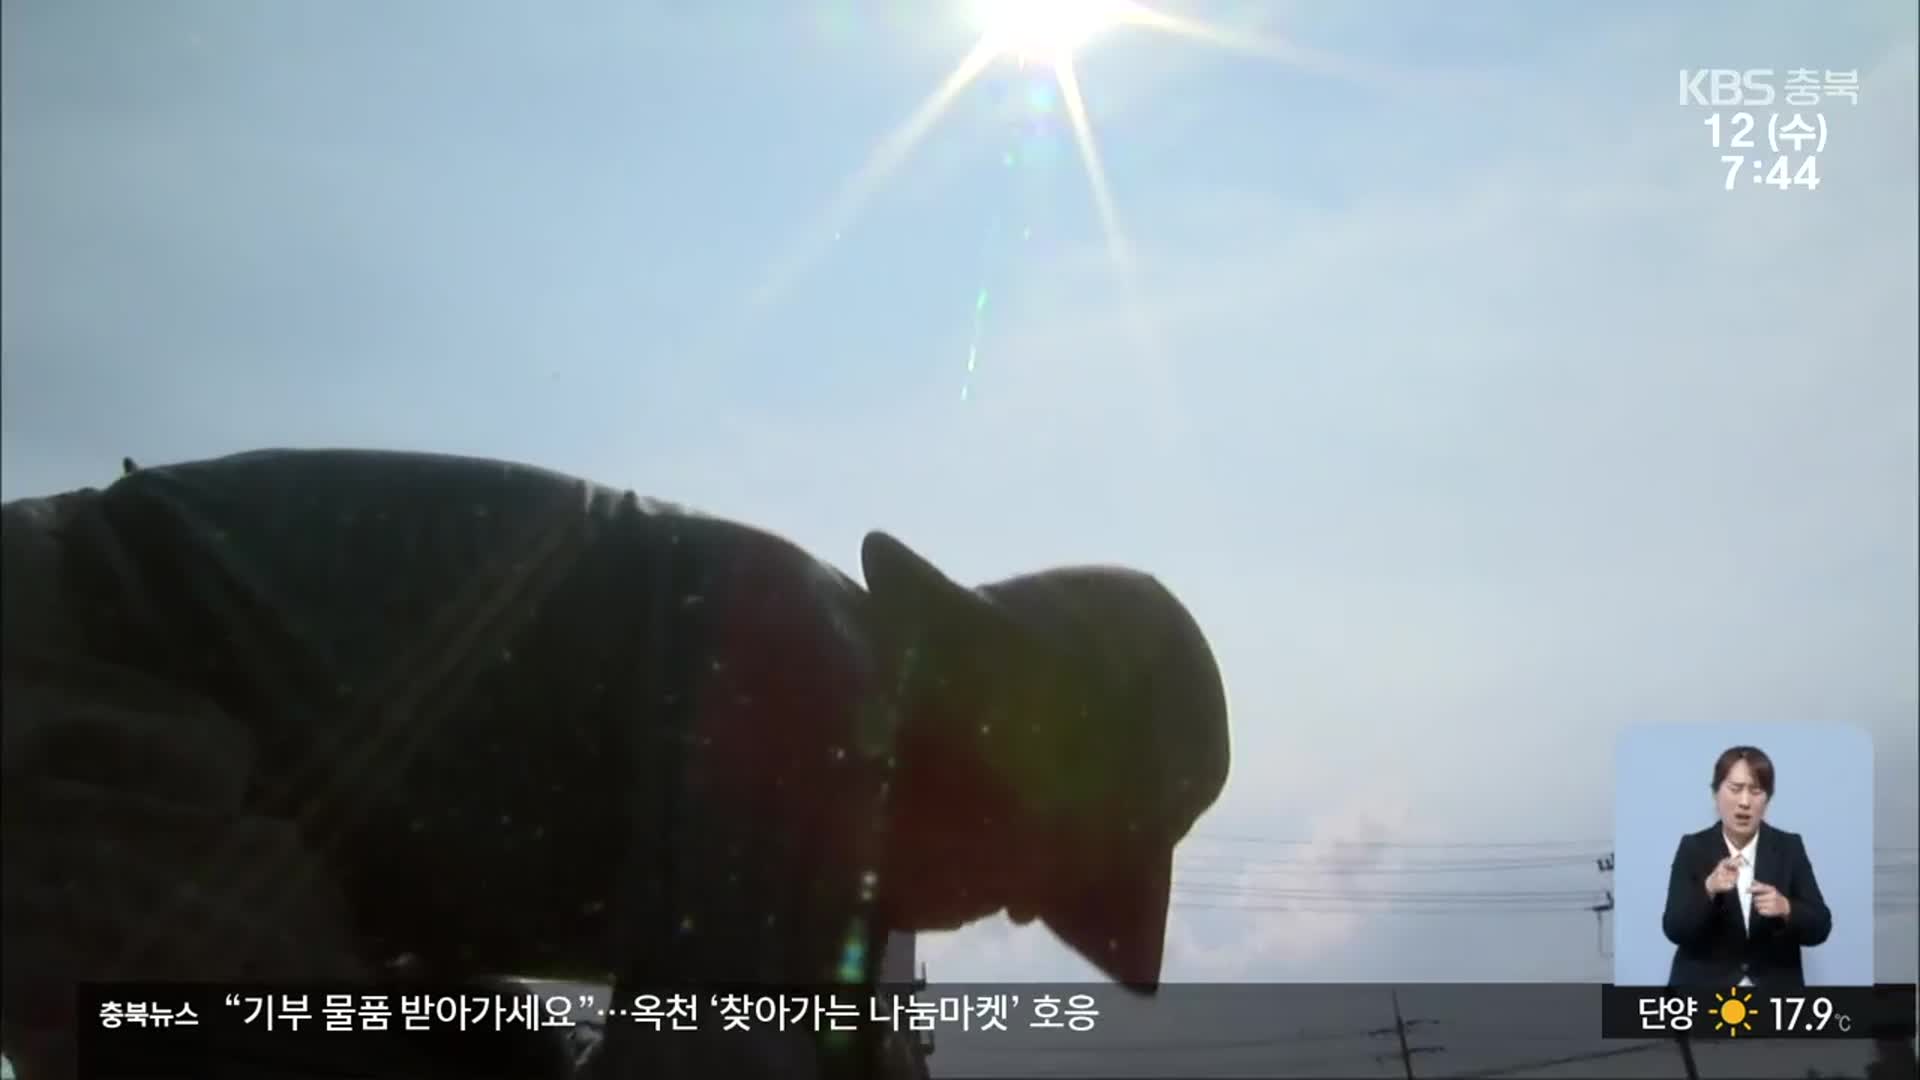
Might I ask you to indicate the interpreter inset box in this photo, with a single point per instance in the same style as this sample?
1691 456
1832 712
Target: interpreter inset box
1743 855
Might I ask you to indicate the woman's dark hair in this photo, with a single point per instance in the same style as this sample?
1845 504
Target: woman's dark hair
1758 763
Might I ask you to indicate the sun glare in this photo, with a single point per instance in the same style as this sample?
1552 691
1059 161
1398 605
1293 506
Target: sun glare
1045 31
1045 34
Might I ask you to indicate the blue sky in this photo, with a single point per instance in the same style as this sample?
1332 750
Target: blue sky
1471 415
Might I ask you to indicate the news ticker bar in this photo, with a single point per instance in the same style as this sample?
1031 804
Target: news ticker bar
147 1013
130 1010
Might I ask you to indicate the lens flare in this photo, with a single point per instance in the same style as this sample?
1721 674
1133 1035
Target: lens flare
1045 31
1044 35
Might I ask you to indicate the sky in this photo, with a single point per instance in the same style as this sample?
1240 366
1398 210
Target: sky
1437 370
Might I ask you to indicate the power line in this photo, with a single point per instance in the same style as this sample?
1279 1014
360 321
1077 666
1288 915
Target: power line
1399 1030
1281 877
1282 892
1334 904
1297 880
1295 1066
1354 866
1545 1063
1246 838
1502 912
1435 863
1602 844
1302 1037
1315 891
1450 862
1334 878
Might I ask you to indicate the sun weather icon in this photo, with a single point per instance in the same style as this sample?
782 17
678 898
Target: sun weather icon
1734 1013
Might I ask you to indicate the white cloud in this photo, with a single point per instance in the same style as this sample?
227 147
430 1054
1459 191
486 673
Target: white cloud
1347 842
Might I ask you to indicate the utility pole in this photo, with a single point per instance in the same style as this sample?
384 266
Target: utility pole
924 1039
1686 1059
1399 1031
1600 923
1605 864
1893 1059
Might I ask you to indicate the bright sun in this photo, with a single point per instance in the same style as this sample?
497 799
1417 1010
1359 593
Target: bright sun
1046 31
1042 33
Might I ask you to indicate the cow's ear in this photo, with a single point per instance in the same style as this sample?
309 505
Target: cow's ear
899 577
918 604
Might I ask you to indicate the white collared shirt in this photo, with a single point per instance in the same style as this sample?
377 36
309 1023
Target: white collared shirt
1745 885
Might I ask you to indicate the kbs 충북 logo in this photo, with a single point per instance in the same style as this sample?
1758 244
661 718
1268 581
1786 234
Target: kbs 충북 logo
1786 107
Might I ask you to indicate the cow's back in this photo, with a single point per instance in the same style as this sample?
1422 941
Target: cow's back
532 725
428 655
